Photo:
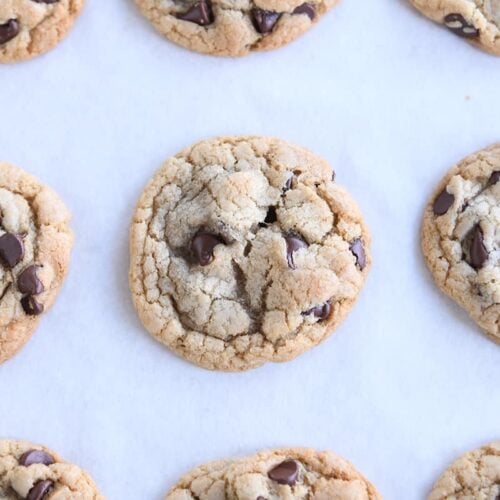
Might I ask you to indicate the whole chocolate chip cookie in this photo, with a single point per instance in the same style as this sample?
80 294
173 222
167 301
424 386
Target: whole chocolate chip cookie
293 473
461 237
474 476
36 473
233 27
31 27
35 246
475 20
243 251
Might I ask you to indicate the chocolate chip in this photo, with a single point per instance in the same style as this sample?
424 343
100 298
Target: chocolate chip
29 283
203 245
293 243
286 472
31 306
271 215
200 13
40 490
9 30
288 184
320 312
264 20
36 457
443 202
477 253
458 25
358 250
494 178
306 8
11 250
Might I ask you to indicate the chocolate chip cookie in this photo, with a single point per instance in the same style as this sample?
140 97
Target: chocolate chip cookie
461 237
478 21
474 476
233 27
35 246
245 250
37 473
293 473
31 27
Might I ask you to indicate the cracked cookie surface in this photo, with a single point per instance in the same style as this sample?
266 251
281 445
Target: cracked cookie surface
34 472
31 27
233 27
293 473
35 246
474 476
244 251
461 237
475 20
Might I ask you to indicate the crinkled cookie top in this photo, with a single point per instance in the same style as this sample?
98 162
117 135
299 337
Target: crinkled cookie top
474 476
31 27
35 246
461 237
244 250
33 472
292 474
233 27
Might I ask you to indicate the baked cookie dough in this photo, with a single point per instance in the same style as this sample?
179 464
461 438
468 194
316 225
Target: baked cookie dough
35 246
244 250
293 473
34 472
474 476
233 27
475 20
461 237
31 27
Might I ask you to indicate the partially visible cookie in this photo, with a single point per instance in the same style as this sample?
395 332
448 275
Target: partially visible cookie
290 474
31 27
35 246
243 251
233 27
461 237
34 472
478 21
474 476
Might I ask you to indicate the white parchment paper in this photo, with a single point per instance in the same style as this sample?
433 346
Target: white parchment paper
392 100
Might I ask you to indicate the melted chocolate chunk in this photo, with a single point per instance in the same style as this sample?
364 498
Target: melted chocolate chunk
200 13
494 178
358 250
286 472
36 457
9 31
31 306
457 24
11 250
478 254
288 184
321 312
293 243
29 283
443 202
306 8
40 490
264 20
203 245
